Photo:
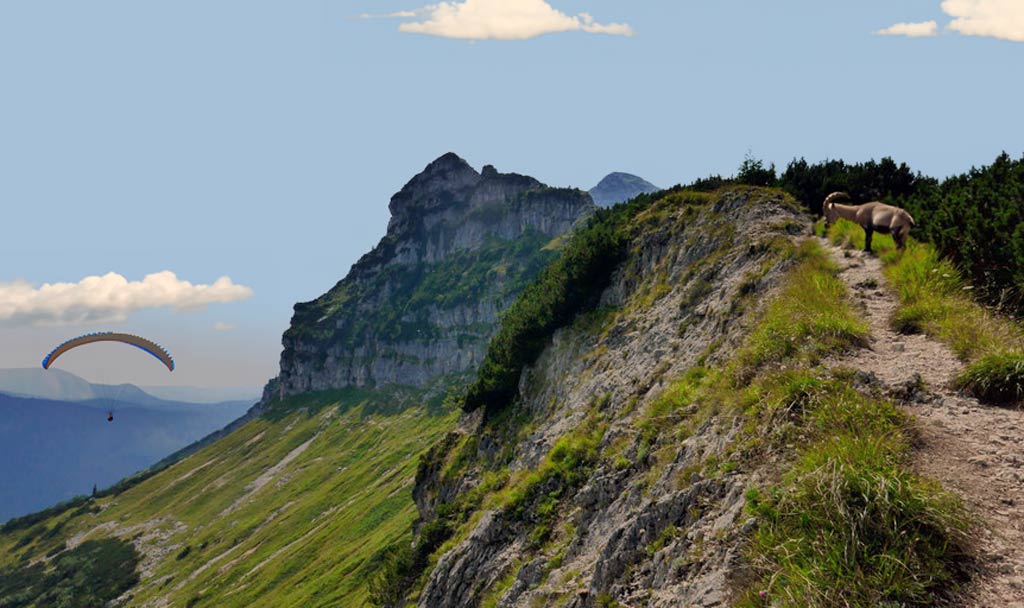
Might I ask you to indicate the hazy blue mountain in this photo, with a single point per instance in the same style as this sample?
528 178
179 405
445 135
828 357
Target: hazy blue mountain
194 394
51 450
60 385
618 187
46 384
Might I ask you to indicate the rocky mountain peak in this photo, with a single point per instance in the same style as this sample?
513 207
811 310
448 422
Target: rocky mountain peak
618 187
423 303
437 186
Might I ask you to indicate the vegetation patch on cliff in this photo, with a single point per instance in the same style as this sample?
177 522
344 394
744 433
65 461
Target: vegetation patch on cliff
570 285
497 270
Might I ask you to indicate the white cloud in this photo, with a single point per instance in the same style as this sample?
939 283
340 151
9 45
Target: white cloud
502 20
110 297
911 30
222 326
399 14
1003 19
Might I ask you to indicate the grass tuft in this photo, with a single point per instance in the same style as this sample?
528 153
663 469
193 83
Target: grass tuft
850 527
997 378
805 319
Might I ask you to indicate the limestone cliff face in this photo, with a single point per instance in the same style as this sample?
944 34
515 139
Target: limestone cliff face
640 528
424 302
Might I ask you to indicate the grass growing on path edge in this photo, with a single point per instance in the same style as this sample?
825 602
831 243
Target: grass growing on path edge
935 300
849 524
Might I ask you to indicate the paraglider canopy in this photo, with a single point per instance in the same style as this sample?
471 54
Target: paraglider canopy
108 336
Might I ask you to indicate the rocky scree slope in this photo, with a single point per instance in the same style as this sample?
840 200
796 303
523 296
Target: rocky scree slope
424 302
566 496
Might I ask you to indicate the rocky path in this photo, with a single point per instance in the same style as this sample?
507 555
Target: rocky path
975 451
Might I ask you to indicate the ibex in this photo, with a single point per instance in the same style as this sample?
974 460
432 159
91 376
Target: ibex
872 217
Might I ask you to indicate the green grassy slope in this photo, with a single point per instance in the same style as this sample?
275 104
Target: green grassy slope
285 512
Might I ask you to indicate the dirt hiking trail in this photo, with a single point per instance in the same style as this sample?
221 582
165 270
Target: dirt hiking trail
976 451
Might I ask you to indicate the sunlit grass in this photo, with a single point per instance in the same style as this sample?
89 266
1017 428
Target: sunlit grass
936 300
850 524
804 319
312 536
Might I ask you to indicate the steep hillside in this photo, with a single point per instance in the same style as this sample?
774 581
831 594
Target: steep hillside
289 510
680 444
296 504
663 418
696 266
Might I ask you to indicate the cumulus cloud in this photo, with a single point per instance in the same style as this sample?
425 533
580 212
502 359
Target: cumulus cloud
501 20
222 326
911 30
110 297
1003 19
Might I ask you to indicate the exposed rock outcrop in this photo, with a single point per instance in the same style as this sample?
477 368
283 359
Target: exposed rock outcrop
424 302
635 529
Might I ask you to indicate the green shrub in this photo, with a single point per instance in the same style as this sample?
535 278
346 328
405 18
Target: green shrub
568 286
868 181
975 219
996 378
92 574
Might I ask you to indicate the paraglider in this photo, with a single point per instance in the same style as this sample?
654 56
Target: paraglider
139 342
108 336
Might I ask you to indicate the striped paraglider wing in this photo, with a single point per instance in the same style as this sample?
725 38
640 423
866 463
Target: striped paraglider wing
108 336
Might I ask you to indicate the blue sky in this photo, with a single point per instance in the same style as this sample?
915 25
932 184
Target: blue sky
261 140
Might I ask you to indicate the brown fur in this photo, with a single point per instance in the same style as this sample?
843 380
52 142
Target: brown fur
872 217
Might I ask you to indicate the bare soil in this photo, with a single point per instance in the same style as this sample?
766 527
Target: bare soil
974 450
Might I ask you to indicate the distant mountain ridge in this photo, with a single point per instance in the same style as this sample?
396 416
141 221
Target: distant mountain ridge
619 187
59 385
56 442
46 384
194 394
51 450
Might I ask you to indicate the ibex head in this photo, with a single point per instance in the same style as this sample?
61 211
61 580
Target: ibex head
828 207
